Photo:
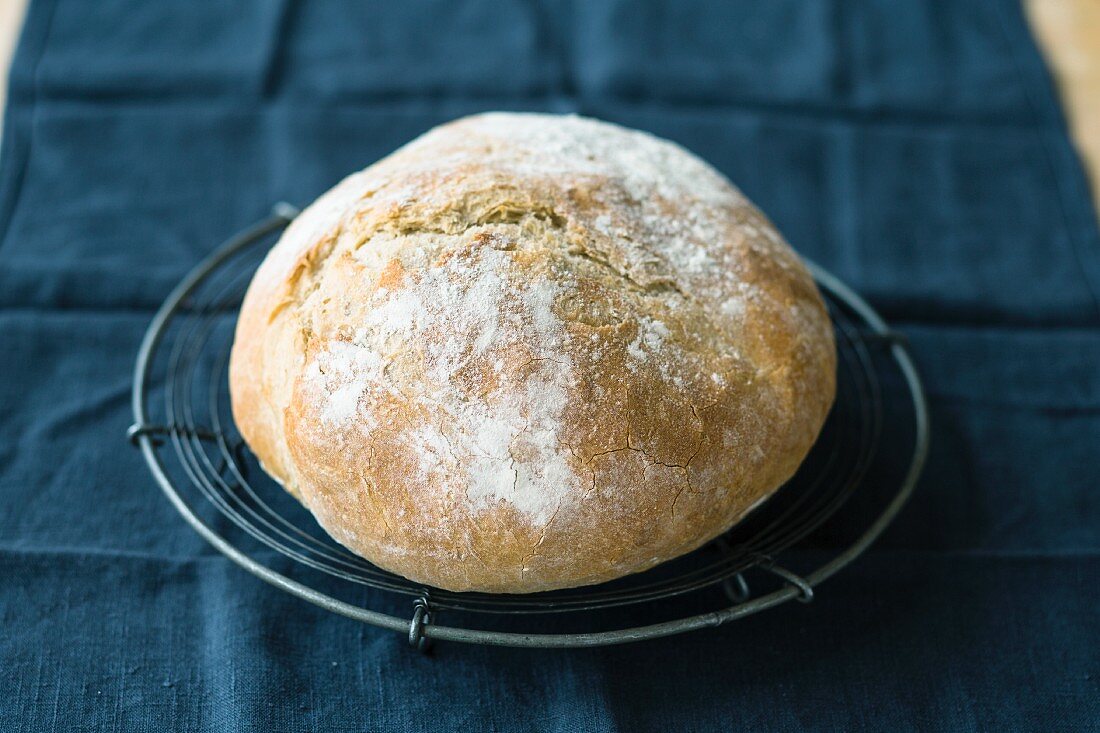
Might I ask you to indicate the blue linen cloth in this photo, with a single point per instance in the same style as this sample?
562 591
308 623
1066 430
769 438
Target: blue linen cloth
914 148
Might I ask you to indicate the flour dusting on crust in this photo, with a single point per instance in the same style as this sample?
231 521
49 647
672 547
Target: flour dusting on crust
466 312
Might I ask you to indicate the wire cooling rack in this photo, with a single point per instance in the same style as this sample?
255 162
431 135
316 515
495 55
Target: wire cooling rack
867 460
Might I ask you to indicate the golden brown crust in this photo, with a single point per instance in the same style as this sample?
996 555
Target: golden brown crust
528 352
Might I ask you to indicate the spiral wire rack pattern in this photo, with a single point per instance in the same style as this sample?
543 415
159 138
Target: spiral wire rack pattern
197 457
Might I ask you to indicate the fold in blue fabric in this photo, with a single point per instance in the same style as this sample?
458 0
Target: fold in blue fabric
916 149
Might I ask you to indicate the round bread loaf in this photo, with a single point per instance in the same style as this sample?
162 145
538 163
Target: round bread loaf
527 352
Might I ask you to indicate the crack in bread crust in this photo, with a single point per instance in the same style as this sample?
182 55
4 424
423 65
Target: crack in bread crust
528 352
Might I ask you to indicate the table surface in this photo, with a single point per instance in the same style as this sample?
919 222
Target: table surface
1068 31
11 20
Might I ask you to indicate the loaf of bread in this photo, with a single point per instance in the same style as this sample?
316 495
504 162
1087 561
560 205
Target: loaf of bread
528 352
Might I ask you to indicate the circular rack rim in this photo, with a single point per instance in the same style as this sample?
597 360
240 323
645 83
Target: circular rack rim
421 630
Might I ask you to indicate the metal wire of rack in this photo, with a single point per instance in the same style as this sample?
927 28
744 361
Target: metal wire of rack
201 464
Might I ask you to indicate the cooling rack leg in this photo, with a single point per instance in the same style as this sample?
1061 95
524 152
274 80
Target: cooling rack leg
422 616
736 588
805 590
